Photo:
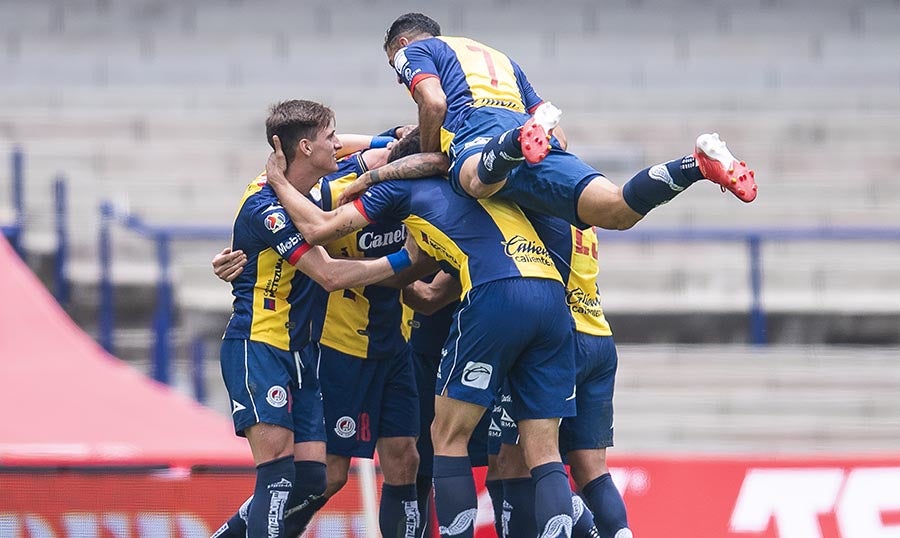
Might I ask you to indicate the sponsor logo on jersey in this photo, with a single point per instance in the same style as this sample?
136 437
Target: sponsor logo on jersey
271 288
477 375
277 396
288 244
525 250
367 240
345 427
268 303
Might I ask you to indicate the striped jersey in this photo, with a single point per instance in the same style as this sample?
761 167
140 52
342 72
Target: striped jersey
472 75
274 302
574 252
477 241
366 321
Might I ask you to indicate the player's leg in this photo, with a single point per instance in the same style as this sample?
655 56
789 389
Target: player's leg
542 389
425 368
455 498
587 435
264 385
397 425
603 204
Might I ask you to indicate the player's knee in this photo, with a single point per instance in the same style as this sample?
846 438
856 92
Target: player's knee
334 484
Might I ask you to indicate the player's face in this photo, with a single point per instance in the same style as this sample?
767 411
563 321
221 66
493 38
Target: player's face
324 149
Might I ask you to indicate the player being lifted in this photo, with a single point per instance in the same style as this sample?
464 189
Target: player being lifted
476 104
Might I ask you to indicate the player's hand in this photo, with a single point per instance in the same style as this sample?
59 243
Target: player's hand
276 165
228 264
355 189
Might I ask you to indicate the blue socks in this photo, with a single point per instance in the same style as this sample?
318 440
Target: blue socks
584 520
236 527
306 498
398 514
423 494
660 183
518 507
495 490
274 482
499 156
606 503
454 496
552 500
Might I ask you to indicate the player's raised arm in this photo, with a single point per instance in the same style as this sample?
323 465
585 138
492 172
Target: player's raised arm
338 273
316 226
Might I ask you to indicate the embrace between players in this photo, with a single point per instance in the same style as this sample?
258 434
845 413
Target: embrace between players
485 222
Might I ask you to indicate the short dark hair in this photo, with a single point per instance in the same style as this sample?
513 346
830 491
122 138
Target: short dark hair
409 25
410 144
295 120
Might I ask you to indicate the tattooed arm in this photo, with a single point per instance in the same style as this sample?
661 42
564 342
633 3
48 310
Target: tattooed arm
414 166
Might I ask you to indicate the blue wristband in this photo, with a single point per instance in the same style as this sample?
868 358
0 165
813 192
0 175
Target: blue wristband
381 141
392 132
399 260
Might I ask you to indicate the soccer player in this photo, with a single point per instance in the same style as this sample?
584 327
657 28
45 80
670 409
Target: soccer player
269 353
512 323
584 437
365 371
475 105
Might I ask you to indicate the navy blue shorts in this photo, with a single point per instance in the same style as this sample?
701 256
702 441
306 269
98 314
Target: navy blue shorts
426 368
592 426
553 186
516 328
273 386
367 399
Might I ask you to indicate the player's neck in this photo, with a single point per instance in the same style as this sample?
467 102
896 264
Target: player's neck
302 177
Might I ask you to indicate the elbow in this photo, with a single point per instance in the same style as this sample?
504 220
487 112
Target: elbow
316 236
331 282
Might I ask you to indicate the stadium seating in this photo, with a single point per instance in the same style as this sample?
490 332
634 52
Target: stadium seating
158 106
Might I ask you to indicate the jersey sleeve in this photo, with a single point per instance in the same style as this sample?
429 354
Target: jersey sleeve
414 63
273 227
388 201
529 95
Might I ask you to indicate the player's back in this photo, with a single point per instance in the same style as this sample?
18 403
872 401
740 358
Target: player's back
472 75
274 302
477 240
575 254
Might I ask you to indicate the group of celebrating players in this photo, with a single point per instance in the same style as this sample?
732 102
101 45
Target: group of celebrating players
480 221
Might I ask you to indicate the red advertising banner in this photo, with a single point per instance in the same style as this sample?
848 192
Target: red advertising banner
839 497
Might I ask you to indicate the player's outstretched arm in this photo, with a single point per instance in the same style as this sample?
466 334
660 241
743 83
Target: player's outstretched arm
316 226
229 264
336 273
410 167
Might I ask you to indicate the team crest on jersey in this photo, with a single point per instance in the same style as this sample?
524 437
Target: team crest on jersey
277 396
345 427
275 221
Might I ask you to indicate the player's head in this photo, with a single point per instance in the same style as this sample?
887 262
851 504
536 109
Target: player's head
304 127
410 144
408 28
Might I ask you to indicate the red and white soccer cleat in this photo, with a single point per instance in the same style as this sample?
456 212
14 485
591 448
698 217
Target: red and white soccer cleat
719 166
534 137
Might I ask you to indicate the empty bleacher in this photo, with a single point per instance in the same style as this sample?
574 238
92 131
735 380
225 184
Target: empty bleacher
158 106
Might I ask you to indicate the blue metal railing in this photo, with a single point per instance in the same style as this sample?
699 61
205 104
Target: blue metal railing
165 302
753 239
13 232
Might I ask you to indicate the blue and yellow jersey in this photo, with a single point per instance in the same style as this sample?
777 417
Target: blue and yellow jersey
477 241
274 302
364 322
472 75
574 252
